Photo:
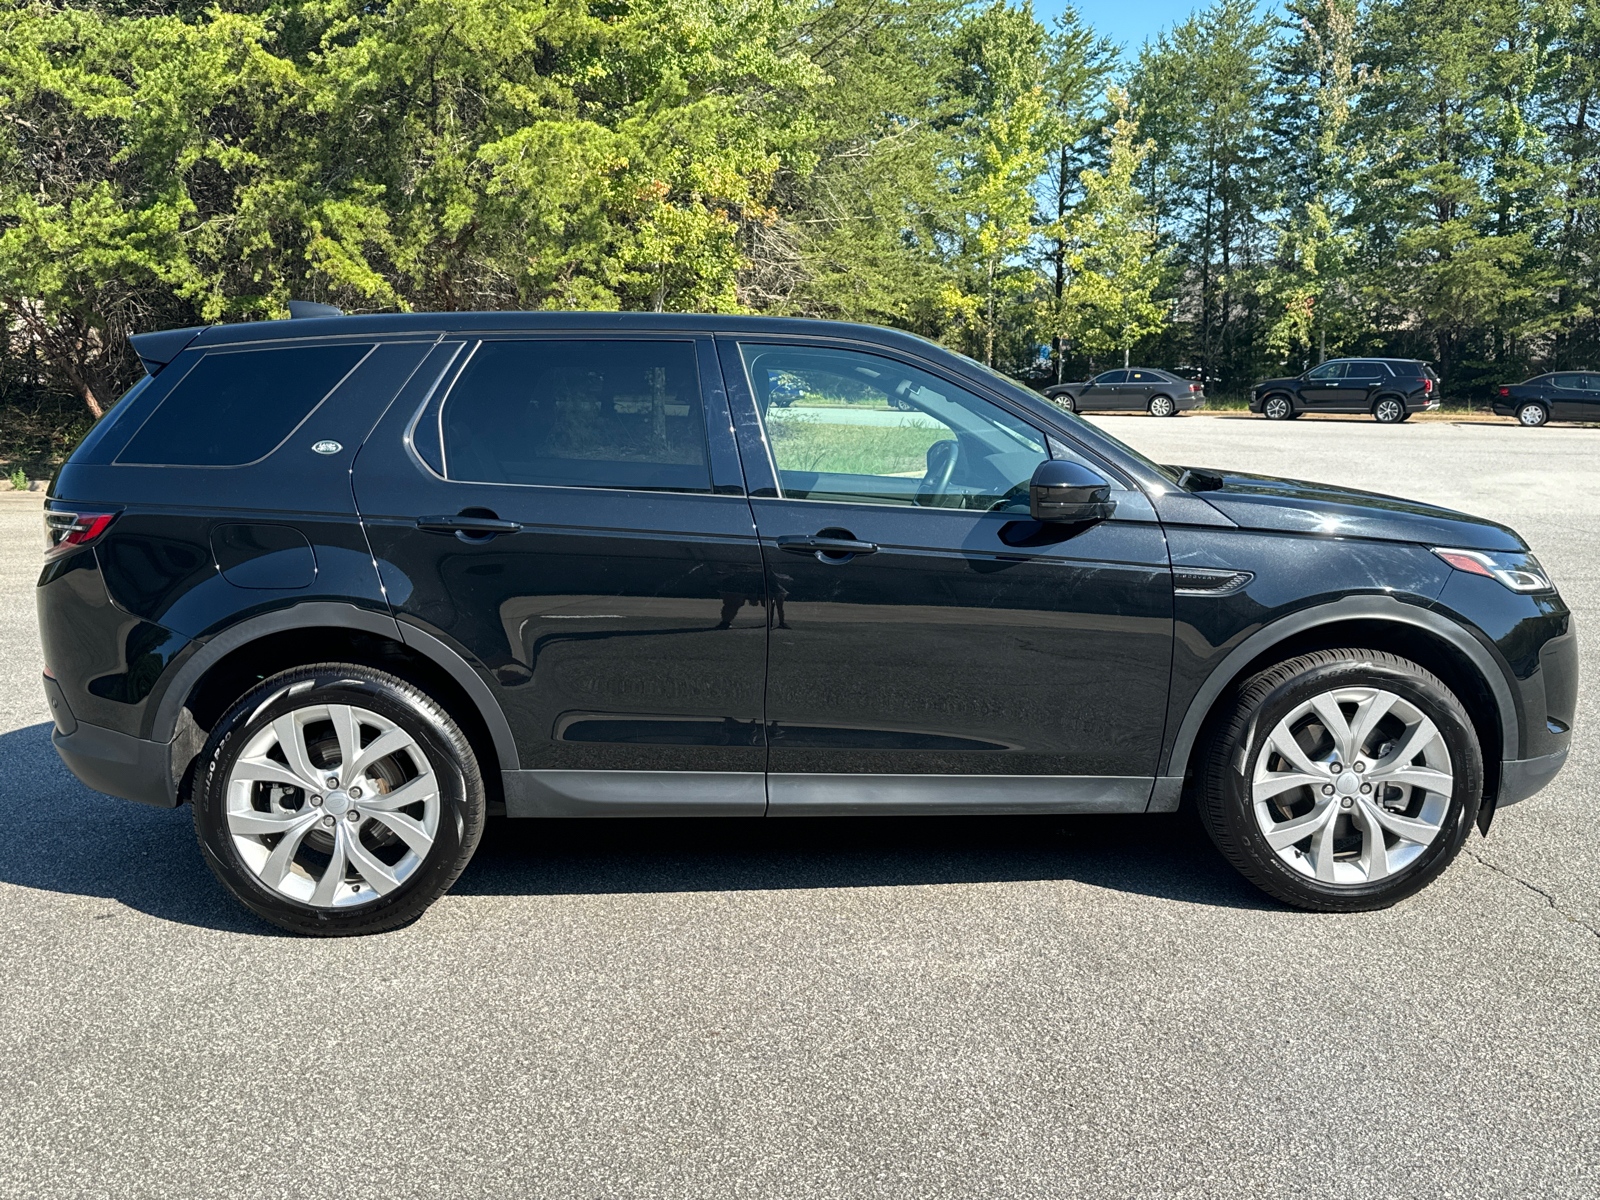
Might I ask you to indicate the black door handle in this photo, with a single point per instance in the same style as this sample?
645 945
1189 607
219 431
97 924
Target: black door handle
469 525
824 545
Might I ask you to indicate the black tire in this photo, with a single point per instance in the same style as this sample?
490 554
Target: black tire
1295 416
457 799
1224 791
1389 410
1161 406
1532 415
1278 408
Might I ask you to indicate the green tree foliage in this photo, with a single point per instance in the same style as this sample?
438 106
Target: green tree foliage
1113 259
1343 176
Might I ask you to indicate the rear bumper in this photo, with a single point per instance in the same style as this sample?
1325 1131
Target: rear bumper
118 765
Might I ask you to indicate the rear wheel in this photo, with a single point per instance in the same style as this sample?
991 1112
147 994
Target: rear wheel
335 799
1532 415
1162 406
1278 408
1388 411
1342 780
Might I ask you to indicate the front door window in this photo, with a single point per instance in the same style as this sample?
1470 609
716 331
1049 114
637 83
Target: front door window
851 427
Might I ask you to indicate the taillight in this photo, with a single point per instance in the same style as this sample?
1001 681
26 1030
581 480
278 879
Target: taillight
1194 387
64 531
1505 391
1427 387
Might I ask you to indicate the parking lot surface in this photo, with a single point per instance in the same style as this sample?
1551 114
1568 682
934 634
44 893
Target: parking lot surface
958 1007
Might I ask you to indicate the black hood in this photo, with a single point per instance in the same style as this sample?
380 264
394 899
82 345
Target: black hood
1293 506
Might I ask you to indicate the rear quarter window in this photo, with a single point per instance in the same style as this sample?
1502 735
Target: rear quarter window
236 407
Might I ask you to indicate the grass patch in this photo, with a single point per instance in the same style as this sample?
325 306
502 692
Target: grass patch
808 444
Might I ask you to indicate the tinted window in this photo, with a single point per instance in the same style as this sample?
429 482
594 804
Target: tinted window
232 409
1365 370
1333 370
1111 377
1569 381
859 427
622 414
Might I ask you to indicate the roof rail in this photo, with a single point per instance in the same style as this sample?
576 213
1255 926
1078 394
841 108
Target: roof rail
301 309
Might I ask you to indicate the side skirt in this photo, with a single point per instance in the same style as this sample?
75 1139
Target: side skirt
751 794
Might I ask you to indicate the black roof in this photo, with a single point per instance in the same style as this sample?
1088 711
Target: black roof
157 349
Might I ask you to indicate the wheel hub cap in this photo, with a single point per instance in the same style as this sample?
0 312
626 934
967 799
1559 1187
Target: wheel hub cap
1345 827
305 850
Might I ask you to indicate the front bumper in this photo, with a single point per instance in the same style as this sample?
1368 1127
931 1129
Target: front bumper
1521 778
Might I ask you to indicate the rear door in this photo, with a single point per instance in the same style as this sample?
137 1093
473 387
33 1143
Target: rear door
1569 396
1141 385
1363 380
562 513
933 648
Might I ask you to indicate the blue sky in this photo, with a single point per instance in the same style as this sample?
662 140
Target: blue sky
1130 22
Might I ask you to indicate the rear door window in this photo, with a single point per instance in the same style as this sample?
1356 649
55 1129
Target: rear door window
1569 381
1366 369
234 408
579 413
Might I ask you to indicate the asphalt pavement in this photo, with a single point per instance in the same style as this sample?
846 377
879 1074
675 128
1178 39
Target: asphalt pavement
959 1007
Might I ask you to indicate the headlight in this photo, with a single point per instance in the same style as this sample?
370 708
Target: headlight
1520 571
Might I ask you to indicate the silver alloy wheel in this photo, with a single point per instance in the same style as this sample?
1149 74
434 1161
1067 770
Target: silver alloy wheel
1532 415
1276 408
1352 786
1389 410
332 805
1162 406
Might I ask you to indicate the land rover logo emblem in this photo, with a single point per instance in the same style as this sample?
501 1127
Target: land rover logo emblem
326 447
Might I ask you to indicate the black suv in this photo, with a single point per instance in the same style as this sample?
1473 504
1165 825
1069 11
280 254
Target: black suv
1136 389
1391 389
348 585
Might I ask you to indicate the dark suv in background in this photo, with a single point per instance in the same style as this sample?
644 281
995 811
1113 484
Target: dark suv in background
1136 389
349 585
1390 389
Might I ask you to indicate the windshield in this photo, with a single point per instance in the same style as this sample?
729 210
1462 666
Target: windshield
1092 434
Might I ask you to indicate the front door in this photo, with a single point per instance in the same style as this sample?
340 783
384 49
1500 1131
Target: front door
933 649
558 516
1103 392
1320 389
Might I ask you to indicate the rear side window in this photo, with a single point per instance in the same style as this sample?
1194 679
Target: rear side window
607 414
233 409
1366 369
1572 383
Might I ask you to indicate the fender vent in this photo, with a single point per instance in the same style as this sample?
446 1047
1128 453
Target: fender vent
1195 581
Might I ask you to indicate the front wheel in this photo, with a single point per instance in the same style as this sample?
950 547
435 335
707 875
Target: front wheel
1532 415
1342 780
335 799
1277 408
1162 406
1388 411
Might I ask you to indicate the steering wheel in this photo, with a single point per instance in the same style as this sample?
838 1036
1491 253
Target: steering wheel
942 457
1016 495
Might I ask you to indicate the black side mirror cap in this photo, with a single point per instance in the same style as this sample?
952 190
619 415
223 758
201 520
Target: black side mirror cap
1068 492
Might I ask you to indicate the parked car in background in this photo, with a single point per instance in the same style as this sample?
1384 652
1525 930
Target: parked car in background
1136 389
1390 389
1558 396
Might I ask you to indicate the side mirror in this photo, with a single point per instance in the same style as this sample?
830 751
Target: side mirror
1066 492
